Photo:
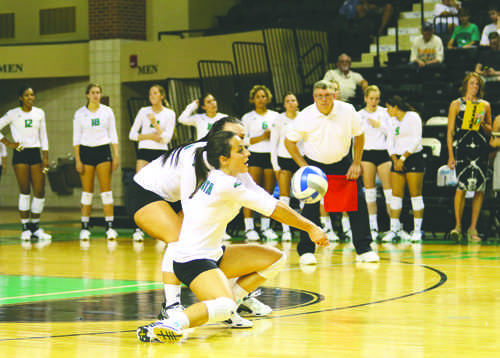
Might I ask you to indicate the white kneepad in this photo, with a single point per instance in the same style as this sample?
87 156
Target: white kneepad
371 195
220 309
417 203
167 264
86 198
107 197
396 203
24 202
274 269
37 205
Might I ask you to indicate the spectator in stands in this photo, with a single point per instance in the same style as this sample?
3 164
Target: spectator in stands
348 80
445 18
466 35
380 12
469 127
490 59
493 27
427 49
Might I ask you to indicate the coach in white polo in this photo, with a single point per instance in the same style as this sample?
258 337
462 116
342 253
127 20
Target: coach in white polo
327 129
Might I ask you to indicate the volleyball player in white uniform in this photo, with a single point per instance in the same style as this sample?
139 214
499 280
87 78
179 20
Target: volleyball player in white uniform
201 261
207 114
376 159
94 130
258 125
281 160
30 160
154 203
407 167
153 128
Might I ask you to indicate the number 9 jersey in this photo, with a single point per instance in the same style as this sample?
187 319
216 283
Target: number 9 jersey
27 128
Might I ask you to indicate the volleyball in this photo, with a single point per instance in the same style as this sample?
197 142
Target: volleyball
309 184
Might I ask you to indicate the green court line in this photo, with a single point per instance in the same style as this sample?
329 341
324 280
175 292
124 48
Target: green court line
22 289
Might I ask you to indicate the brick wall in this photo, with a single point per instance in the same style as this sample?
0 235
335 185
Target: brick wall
117 19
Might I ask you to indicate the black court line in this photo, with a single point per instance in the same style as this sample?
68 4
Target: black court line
442 281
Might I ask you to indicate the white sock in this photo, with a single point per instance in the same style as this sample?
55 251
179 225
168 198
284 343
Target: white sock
180 318
249 224
373 222
239 293
172 294
326 222
418 224
264 223
346 225
35 221
395 225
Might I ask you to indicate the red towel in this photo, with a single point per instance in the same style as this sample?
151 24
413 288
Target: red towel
342 194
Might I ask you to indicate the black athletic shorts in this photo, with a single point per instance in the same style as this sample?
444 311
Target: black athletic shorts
30 156
413 164
376 157
288 164
149 154
95 155
138 197
186 272
261 160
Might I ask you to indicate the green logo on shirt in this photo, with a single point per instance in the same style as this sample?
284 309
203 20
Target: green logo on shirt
237 184
397 130
264 125
95 122
209 126
207 187
28 123
157 122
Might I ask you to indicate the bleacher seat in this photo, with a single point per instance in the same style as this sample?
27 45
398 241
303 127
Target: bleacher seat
398 58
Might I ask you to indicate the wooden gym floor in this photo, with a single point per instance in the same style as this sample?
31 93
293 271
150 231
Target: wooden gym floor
63 299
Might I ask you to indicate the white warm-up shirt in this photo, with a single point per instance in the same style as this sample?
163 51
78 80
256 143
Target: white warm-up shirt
208 212
93 129
201 121
376 138
278 134
327 138
255 125
142 125
27 128
407 134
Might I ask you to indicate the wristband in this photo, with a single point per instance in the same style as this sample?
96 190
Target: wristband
403 158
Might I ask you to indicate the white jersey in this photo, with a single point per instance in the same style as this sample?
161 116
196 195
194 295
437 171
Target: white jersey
406 134
176 180
201 121
142 124
376 138
3 152
93 129
27 128
207 213
255 125
278 134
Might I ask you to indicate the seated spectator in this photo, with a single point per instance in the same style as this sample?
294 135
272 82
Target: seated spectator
347 79
466 35
490 59
427 49
380 11
449 10
493 27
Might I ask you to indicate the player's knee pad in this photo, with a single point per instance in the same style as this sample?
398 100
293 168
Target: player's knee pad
388 196
24 202
274 269
322 201
396 203
371 195
417 203
107 197
220 309
285 200
86 198
37 205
